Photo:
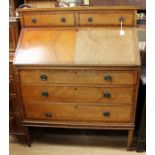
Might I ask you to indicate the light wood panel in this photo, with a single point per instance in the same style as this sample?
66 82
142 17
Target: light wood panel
106 47
91 46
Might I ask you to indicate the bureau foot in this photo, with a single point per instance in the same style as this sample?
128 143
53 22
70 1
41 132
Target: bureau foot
27 136
130 137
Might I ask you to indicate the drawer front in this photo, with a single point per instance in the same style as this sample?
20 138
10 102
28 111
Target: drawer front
48 19
80 113
12 86
45 93
78 77
106 19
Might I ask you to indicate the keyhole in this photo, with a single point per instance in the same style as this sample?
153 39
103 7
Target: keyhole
75 89
75 73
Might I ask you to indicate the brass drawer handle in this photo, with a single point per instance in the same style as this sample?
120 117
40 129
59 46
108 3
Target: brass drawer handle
45 93
122 19
106 94
48 114
108 77
90 19
43 77
63 19
34 20
106 114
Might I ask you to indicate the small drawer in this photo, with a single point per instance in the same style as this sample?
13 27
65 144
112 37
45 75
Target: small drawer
78 77
45 93
78 113
12 86
48 19
106 18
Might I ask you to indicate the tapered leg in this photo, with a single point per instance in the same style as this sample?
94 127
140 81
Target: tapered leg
130 137
27 136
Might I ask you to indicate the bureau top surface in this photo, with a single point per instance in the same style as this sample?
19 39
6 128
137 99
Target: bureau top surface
79 8
77 47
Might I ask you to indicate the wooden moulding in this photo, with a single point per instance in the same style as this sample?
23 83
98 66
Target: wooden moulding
84 8
76 125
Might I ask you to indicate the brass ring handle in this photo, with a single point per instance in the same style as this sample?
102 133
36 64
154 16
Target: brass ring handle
34 20
48 114
106 94
106 114
24 6
90 19
43 77
45 93
63 19
108 77
122 19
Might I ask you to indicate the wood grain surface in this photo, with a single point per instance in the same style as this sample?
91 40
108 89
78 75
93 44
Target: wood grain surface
78 76
78 113
79 8
49 19
78 94
89 46
106 18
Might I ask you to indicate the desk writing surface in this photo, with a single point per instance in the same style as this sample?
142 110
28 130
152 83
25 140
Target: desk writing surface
76 47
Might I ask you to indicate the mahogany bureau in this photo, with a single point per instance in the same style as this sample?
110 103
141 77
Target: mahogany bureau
74 69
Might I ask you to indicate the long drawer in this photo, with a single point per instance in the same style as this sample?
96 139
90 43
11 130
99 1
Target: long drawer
79 94
79 76
106 18
48 19
60 112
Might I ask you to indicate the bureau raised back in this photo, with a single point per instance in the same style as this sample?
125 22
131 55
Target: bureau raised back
74 70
